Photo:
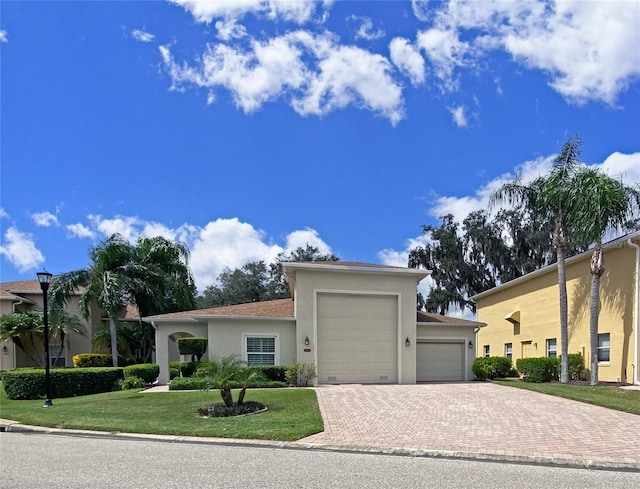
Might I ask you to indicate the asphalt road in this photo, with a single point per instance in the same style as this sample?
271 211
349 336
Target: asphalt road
38 460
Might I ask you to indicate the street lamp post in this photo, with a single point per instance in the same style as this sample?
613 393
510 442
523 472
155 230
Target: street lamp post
45 279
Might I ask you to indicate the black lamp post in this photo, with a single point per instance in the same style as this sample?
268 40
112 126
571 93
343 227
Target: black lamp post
45 279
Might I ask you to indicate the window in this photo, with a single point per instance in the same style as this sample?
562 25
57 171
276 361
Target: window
56 352
508 350
260 350
486 351
603 347
552 348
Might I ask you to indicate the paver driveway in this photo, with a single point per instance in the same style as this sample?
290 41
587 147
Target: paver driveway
475 419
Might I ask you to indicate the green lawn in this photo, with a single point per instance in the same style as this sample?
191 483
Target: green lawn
291 414
606 396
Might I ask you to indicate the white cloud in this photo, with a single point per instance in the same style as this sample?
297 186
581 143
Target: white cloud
44 219
289 10
585 48
229 29
3 213
142 36
4 36
311 71
407 58
459 116
79 230
20 250
366 30
304 237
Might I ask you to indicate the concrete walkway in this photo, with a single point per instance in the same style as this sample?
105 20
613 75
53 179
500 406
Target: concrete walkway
476 420
479 421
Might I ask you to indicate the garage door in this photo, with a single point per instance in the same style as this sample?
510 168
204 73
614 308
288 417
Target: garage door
357 339
439 361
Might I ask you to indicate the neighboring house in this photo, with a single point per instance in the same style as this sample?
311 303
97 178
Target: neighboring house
522 315
27 295
356 322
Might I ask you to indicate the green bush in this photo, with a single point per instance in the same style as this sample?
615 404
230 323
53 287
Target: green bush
185 369
576 366
173 373
132 382
193 346
220 410
204 383
301 374
273 372
84 360
491 367
542 369
146 371
28 383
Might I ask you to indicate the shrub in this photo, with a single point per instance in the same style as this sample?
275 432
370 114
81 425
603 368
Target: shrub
28 383
173 373
220 410
491 367
542 369
148 372
204 383
576 366
273 372
301 374
83 360
192 346
185 369
132 382
513 373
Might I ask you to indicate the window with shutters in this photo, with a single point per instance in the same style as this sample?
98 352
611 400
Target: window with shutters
261 350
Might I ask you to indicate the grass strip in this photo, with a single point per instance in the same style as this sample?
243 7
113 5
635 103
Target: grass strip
292 414
611 397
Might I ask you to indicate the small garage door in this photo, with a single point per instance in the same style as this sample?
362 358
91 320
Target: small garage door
357 339
439 361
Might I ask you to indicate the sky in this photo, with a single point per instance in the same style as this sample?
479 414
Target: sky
248 128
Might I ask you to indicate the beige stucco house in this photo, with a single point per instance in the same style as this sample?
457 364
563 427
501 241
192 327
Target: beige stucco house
356 322
26 295
522 315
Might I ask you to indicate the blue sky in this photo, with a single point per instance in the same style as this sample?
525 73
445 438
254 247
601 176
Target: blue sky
249 128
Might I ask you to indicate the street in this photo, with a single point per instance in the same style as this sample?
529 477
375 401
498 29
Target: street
39 460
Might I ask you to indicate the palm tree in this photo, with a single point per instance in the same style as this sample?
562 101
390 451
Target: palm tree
61 325
23 328
154 275
551 196
603 204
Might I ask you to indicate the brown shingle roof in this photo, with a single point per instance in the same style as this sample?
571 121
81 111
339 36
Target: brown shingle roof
429 317
21 286
274 308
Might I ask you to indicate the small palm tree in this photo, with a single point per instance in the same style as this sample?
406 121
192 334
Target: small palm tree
604 204
23 328
61 325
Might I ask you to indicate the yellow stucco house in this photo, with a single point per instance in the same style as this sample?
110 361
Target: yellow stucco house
522 315
356 322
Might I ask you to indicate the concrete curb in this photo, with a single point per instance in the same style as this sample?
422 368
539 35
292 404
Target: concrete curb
15 427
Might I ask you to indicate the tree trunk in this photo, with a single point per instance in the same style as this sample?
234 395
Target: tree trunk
241 395
597 269
225 393
114 341
560 242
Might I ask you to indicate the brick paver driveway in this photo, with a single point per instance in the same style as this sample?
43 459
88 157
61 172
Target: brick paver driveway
475 419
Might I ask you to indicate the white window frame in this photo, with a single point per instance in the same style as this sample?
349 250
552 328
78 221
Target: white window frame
552 348
276 341
508 350
486 351
603 348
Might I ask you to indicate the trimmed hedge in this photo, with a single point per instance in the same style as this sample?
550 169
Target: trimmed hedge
28 383
541 369
272 372
148 372
185 369
192 345
86 360
203 383
491 367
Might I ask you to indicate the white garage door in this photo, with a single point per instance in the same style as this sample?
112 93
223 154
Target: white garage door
357 339
439 361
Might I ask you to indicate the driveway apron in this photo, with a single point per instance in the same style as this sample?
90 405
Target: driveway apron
476 420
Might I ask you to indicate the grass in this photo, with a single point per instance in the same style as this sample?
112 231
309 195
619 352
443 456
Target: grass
602 395
292 414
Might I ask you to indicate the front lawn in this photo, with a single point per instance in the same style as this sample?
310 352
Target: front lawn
601 395
292 414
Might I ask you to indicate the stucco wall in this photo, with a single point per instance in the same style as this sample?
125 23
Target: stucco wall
537 299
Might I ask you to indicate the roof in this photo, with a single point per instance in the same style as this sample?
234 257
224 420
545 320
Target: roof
429 317
278 308
616 243
22 286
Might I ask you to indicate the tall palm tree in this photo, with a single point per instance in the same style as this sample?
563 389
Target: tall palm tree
61 325
550 196
604 204
106 281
